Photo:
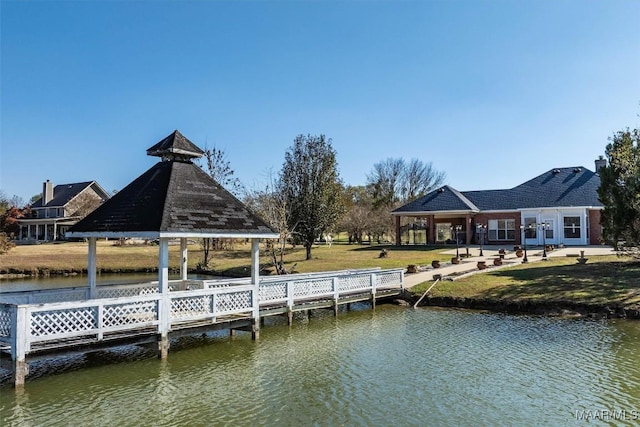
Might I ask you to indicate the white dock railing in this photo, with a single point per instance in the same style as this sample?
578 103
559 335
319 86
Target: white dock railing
31 320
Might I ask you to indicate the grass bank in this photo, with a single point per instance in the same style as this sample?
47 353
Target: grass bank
558 285
70 257
608 285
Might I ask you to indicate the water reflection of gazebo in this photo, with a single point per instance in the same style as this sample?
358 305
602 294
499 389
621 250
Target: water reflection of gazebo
174 199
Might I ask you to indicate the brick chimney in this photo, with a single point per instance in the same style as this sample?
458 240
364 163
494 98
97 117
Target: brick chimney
47 192
600 162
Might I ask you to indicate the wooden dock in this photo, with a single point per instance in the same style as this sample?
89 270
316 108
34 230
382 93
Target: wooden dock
36 324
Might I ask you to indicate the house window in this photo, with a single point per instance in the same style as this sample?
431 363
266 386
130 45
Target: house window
572 227
443 231
530 231
502 229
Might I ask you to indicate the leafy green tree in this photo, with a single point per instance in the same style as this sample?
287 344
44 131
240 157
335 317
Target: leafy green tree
619 192
312 189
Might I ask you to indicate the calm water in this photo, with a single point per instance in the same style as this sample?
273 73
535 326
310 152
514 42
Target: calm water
394 366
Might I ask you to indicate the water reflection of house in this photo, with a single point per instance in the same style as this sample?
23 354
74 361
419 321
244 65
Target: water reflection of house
560 206
59 208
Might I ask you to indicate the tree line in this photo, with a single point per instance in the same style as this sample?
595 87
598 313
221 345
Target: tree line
307 199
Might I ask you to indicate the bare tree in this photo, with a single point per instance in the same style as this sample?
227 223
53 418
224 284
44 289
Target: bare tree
385 180
218 168
271 205
395 181
418 179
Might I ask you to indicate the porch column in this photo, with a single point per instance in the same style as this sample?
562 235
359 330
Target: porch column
46 232
20 233
398 236
29 231
91 268
468 229
55 231
183 258
255 281
164 304
432 229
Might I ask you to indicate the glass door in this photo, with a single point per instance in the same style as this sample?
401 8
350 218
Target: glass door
549 233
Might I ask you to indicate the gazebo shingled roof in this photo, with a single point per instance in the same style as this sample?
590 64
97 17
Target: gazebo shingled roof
174 198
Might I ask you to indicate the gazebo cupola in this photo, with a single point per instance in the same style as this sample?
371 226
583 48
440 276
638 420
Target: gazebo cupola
175 147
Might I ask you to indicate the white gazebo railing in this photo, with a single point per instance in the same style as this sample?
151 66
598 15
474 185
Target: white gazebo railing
59 318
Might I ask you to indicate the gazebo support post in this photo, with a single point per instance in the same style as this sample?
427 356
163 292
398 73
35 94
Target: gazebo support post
255 281
164 303
91 268
183 258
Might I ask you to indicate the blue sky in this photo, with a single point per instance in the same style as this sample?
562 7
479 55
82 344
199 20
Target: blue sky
492 92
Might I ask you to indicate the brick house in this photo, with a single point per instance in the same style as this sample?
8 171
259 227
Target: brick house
59 208
562 203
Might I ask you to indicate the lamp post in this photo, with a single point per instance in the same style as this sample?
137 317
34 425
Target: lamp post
544 227
524 242
483 230
457 229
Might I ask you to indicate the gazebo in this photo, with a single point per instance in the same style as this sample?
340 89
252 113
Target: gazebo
174 199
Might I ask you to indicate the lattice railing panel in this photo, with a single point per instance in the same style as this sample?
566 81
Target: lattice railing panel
190 306
354 282
391 279
309 288
272 291
63 321
5 321
236 301
129 313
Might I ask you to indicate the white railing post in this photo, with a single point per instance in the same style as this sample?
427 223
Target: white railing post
91 268
290 301
255 281
20 332
374 281
100 320
183 258
213 306
164 302
336 294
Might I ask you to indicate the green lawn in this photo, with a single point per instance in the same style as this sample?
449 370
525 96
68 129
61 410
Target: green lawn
73 256
604 279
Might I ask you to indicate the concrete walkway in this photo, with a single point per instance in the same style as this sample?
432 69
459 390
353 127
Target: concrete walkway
468 265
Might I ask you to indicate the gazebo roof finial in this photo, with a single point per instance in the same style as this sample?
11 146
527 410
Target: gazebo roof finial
175 147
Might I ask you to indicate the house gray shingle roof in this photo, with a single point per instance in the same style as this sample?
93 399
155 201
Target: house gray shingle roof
173 196
63 193
562 187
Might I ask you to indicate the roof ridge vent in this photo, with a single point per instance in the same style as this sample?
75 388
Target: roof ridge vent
576 170
441 190
555 171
